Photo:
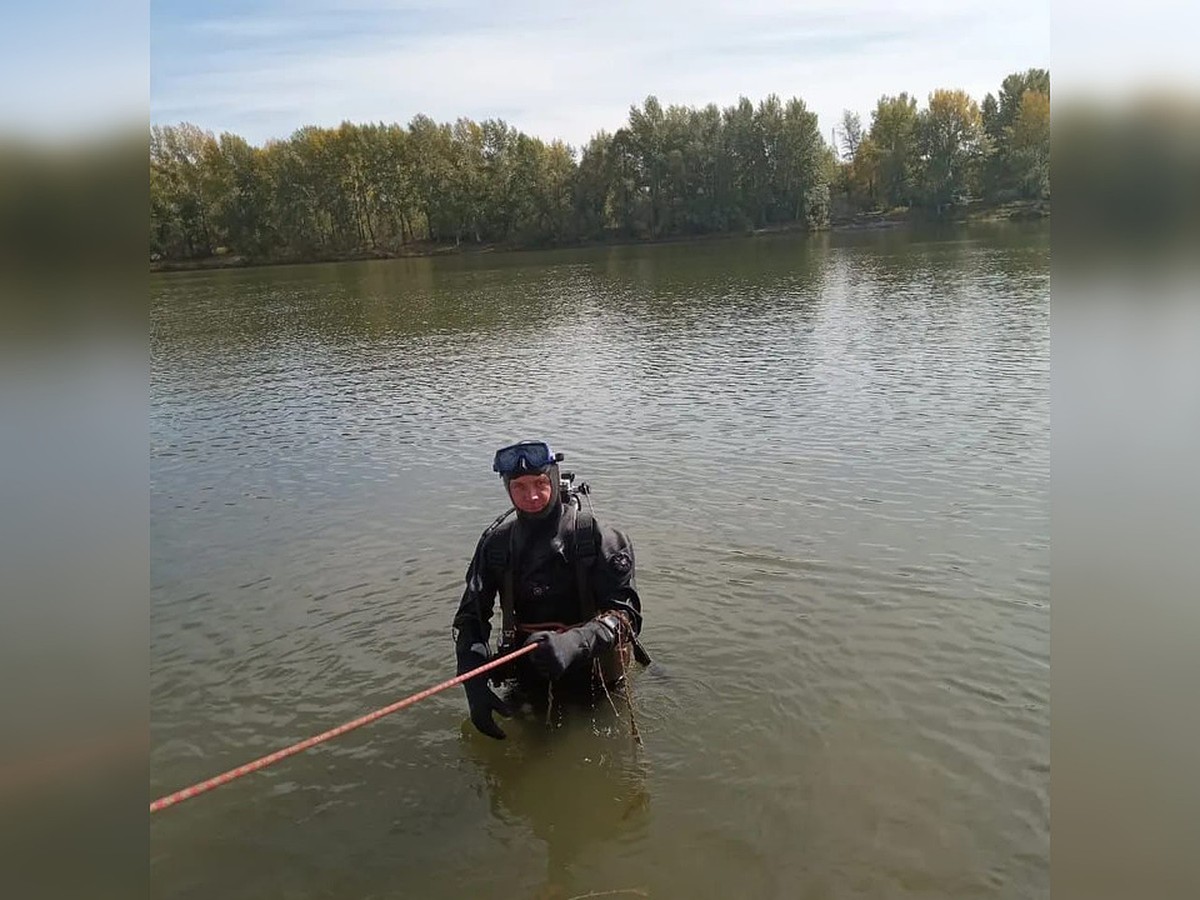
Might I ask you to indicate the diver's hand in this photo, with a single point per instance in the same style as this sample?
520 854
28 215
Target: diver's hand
559 650
481 699
483 702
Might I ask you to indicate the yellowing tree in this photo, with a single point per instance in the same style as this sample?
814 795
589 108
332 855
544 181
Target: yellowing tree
1030 144
951 146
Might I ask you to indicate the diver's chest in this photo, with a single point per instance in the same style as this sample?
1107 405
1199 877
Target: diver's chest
548 575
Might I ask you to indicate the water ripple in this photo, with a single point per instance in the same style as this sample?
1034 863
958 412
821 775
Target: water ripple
832 458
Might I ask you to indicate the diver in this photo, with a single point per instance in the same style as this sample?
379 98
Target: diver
564 581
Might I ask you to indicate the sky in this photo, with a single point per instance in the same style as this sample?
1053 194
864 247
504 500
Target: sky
263 68
566 69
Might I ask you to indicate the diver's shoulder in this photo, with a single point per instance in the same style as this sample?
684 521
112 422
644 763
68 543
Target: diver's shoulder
612 537
497 531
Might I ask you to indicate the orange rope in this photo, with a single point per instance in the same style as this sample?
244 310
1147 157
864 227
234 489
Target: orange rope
262 762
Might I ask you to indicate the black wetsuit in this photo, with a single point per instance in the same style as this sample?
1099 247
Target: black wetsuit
545 584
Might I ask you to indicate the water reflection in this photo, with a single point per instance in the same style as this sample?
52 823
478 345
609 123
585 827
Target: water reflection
572 775
681 284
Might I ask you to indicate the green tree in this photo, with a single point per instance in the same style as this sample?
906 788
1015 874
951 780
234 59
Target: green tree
594 186
646 145
950 140
432 172
744 149
1011 172
894 138
180 197
241 204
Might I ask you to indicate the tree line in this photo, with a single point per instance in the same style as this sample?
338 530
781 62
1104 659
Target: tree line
379 188
952 151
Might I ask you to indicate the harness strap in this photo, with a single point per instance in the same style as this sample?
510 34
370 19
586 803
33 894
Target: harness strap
508 590
584 553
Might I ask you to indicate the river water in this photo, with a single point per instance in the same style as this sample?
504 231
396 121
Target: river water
832 456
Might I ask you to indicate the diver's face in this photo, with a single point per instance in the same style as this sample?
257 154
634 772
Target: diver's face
530 493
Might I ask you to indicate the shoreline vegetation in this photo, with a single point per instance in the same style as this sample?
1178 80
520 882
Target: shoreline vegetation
378 191
1019 211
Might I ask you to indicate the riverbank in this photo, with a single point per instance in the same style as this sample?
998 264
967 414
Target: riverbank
868 221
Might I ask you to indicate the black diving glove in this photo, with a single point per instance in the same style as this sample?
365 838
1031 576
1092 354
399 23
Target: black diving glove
480 698
559 650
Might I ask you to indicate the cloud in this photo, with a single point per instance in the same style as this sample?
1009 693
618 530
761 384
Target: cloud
566 71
